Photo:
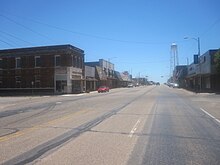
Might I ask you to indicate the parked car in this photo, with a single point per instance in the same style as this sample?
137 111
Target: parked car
170 84
103 89
136 85
130 85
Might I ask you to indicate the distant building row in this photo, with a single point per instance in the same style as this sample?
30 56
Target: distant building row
55 69
201 76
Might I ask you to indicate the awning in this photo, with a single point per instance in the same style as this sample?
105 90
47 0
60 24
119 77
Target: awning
118 76
100 73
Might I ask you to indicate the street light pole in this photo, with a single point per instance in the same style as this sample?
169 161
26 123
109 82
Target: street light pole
200 72
198 40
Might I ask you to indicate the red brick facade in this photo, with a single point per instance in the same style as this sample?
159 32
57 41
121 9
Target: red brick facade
34 69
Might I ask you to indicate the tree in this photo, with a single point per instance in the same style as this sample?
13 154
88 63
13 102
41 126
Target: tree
217 61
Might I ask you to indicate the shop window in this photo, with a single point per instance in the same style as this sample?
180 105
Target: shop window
207 83
61 86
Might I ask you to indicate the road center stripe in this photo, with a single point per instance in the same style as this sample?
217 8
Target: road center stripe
37 127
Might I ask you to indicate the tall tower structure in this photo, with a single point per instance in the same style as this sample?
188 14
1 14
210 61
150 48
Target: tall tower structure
174 60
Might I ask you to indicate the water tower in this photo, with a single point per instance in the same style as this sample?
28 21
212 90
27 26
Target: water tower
174 60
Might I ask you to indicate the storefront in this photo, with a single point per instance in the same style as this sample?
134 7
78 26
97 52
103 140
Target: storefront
68 80
75 79
90 80
60 80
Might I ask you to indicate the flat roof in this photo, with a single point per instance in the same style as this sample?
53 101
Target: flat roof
20 51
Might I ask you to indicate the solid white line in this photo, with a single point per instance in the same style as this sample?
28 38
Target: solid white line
134 128
75 95
210 115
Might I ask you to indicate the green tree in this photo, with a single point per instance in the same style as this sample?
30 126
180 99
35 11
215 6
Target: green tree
217 60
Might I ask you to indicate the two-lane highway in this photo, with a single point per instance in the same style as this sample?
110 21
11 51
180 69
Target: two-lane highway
144 125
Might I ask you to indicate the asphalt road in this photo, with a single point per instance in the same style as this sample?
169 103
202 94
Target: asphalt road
144 125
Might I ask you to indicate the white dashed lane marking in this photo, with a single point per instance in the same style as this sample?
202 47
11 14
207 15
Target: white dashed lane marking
134 128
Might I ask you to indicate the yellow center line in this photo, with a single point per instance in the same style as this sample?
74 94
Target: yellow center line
28 130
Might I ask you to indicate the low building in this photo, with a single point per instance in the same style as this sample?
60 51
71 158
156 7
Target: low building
119 82
50 69
90 80
192 77
100 76
203 76
126 78
210 79
107 69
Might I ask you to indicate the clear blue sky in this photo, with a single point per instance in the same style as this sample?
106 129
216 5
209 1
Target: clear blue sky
135 35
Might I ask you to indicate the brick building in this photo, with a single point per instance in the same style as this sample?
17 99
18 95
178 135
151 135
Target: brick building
50 69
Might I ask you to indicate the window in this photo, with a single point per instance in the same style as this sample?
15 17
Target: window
1 63
37 61
204 59
79 62
57 60
18 62
74 59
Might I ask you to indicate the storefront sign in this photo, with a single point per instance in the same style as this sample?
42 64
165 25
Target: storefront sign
75 73
60 70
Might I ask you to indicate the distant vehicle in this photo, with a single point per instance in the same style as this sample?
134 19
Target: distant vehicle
157 83
175 85
102 89
170 84
151 83
130 85
136 85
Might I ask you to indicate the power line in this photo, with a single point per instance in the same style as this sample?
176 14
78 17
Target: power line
144 62
5 38
206 31
25 27
91 35
16 37
210 27
7 43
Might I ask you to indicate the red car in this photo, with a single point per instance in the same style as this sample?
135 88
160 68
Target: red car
103 89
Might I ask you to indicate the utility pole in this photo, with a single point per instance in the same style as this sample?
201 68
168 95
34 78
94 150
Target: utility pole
199 57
